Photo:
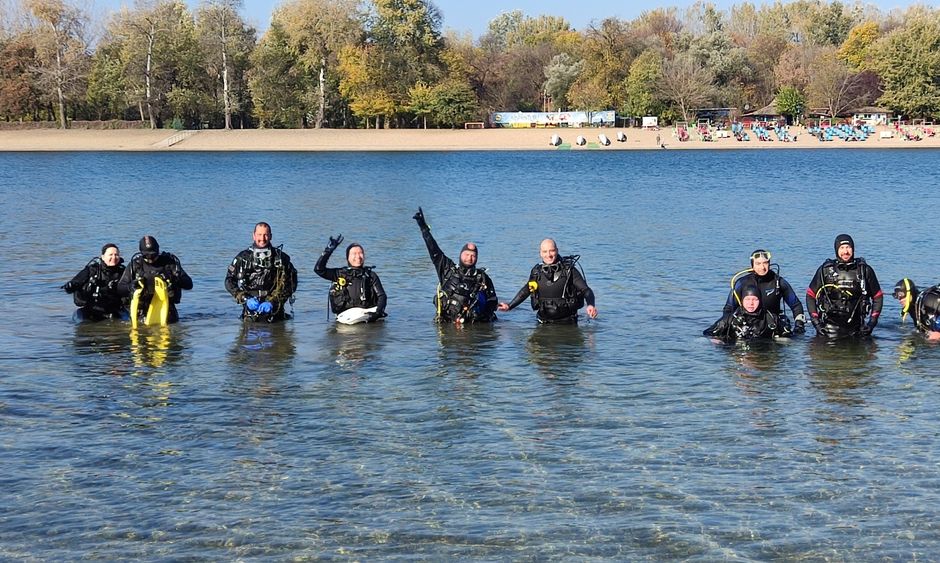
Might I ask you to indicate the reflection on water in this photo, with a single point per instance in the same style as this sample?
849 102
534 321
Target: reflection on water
353 346
466 350
843 369
558 350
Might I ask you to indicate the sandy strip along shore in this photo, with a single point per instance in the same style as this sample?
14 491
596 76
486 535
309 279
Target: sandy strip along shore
400 140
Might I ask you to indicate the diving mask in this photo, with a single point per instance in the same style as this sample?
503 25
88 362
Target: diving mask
760 255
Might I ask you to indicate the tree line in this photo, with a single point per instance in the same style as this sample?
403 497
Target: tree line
388 63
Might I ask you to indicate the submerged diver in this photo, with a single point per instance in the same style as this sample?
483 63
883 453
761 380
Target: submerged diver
466 293
354 285
844 293
556 287
262 278
750 321
923 306
774 290
148 264
94 289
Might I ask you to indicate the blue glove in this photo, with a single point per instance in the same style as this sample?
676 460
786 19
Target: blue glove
266 307
253 304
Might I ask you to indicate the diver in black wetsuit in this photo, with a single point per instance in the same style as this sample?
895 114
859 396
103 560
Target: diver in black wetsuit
774 290
262 278
556 287
148 264
466 293
94 289
843 294
750 321
923 306
354 285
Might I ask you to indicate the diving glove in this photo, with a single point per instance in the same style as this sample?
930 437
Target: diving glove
419 217
266 308
253 304
799 327
334 243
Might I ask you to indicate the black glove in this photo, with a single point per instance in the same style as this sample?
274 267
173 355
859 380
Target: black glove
375 316
419 217
334 243
799 327
815 322
867 329
69 288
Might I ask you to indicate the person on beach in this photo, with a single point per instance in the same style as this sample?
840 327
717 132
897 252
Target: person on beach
465 293
775 290
94 289
844 297
750 321
556 289
262 278
922 306
354 285
148 264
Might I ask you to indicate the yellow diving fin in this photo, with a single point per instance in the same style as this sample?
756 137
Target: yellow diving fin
135 305
160 304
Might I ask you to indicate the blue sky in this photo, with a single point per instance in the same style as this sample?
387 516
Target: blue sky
474 15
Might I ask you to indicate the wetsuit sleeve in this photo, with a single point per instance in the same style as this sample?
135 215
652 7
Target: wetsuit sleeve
441 262
381 300
321 270
521 296
790 298
811 291
180 278
78 282
877 296
731 304
581 285
492 302
126 284
231 276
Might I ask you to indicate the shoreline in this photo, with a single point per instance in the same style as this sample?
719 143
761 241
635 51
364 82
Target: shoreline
403 140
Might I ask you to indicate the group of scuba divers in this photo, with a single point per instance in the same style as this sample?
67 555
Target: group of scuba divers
263 280
844 300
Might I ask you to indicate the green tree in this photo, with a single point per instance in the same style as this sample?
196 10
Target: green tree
453 103
832 24
421 102
645 73
790 101
276 81
107 90
908 61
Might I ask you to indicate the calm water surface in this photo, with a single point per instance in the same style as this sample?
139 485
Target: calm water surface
629 437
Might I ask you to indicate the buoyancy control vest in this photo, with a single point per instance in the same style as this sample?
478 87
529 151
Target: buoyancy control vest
263 274
554 295
843 298
101 288
353 287
462 295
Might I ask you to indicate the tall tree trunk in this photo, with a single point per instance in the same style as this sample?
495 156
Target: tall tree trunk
322 109
150 40
226 95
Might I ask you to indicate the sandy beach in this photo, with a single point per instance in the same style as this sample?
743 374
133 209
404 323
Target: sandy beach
404 140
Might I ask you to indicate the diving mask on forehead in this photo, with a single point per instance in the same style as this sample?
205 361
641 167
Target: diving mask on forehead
261 257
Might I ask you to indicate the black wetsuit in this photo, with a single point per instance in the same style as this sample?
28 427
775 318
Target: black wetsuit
842 296
556 291
352 287
925 309
466 292
95 291
166 266
773 290
741 325
269 276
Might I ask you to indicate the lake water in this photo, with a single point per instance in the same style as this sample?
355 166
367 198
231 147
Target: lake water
630 437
